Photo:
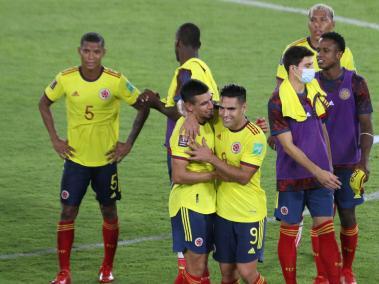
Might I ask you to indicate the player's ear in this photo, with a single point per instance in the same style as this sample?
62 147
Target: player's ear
104 51
79 50
188 106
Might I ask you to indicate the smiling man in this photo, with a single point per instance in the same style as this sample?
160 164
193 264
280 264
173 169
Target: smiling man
351 136
240 147
91 152
320 20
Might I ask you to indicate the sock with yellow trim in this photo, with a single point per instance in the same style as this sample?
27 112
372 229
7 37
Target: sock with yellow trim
110 238
260 280
349 241
65 238
329 251
316 255
287 252
190 279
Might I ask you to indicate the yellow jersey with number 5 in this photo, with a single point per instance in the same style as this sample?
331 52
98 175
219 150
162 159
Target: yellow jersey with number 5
92 111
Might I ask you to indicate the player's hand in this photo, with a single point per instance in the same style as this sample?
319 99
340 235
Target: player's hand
119 152
150 98
271 142
64 150
262 123
357 179
328 180
190 127
199 153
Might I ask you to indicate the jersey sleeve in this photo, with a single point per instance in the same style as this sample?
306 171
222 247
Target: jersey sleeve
362 95
184 75
347 60
55 90
127 91
178 143
281 71
278 124
255 150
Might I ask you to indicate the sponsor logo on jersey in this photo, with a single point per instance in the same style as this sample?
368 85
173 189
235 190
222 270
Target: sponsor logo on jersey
219 136
284 210
65 194
199 242
53 84
75 94
130 86
104 94
257 148
236 147
344 94
183 141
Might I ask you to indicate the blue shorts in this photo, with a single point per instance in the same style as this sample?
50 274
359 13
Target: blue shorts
239 242
344 197
192 231
291 204
76 178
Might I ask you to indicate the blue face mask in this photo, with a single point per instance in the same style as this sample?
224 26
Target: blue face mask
307 75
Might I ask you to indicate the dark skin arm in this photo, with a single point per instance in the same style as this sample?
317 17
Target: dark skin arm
60 146
152 100
366 141
123 148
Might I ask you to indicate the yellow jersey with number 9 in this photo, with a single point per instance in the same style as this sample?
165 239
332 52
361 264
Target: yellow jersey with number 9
92 111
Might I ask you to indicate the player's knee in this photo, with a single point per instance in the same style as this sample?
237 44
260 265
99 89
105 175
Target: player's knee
347 217
249 276
69 213
109 212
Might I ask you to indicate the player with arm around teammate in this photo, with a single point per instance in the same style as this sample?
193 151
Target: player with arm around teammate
240 147
93 94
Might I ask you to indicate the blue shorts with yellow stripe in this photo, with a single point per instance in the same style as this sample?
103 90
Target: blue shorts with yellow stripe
237 242
192 231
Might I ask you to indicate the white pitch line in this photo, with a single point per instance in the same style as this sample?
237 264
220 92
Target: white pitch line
287 9
368 197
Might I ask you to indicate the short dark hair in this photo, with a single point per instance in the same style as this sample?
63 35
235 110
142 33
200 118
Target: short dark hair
337 38
189 35
92 37
294 55
192 88
234 91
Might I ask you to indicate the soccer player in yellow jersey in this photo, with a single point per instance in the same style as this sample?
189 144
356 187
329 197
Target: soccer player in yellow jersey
187 45
192 201
240 147
93 94
320 20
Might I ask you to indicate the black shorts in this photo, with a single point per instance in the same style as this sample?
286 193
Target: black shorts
76 178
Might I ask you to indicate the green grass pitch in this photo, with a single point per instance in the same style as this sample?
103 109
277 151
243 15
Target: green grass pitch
240 43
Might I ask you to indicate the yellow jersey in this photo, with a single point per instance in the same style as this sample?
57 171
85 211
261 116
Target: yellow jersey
92 111
197 70
199 197
237 202
347 59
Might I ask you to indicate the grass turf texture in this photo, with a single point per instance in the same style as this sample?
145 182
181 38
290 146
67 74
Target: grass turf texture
240 43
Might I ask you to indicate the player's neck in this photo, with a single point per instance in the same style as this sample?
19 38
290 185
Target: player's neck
332 73
188 54
91 74
314 42
297 85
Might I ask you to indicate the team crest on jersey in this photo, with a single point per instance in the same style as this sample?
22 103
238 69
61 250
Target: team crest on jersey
53 84
104 94
236 147
183 141
199 242
284 210
344 94
65 194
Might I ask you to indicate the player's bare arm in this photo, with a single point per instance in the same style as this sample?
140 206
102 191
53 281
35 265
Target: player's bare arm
327 179
202 153
123 148
366 141
180 174
62 147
